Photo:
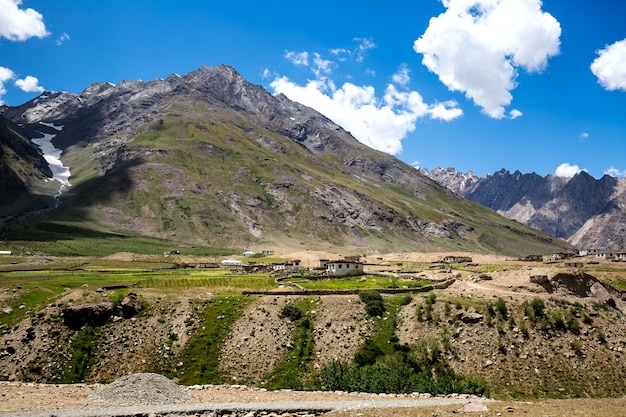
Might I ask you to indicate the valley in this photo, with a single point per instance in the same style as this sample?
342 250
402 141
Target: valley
121 274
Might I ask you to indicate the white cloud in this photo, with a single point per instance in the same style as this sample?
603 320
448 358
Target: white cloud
614 172
583 136
403 76
446 111
567 170
62 39
364 45
314 61
5 75
321 66
610 66
297 58
342 54
29 84
475 47
370 72
514 114
18 24
380 124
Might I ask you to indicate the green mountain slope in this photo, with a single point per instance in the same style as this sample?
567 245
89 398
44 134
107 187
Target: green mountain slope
208 158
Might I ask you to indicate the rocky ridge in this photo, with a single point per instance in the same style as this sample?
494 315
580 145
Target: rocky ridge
587 212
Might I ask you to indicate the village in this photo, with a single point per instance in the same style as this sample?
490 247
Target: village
355 265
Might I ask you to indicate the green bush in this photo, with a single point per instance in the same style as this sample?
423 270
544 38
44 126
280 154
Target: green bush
576 346
367 353
290 311
83 346
373 303
572 323
538 307
501 308
523 329
406 300
556 320
421 370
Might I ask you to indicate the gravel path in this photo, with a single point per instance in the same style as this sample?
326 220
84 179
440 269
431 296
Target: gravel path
242 409
152 395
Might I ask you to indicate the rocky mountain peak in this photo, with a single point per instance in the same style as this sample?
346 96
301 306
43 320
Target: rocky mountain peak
583 210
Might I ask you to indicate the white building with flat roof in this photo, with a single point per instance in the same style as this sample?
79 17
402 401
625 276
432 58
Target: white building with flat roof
344 268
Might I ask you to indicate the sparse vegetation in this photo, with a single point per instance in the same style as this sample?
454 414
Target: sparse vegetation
294 370
200 357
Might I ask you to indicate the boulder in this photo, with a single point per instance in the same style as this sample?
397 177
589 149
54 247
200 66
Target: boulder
75 316
468 317
600 293
131 305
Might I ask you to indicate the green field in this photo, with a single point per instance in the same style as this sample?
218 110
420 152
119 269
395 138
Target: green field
359 282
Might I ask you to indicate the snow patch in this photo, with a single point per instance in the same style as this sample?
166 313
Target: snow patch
58 128
52 155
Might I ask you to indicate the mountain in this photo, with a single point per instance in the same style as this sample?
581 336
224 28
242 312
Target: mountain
22 169
209 158
587 212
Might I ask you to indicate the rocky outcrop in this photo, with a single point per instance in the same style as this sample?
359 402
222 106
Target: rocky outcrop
77 315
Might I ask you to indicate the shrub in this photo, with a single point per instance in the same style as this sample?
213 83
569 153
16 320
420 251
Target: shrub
523 329
290 311
398 373
431 298
511 322
501 308
373 303
406 300
367 353
419 312
538 307
572 322
576 346
556 320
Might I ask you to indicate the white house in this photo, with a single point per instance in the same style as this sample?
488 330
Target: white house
343 268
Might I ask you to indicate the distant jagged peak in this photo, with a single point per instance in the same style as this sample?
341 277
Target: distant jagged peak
459 182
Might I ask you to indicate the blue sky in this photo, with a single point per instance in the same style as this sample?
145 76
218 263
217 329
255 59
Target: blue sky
478 85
